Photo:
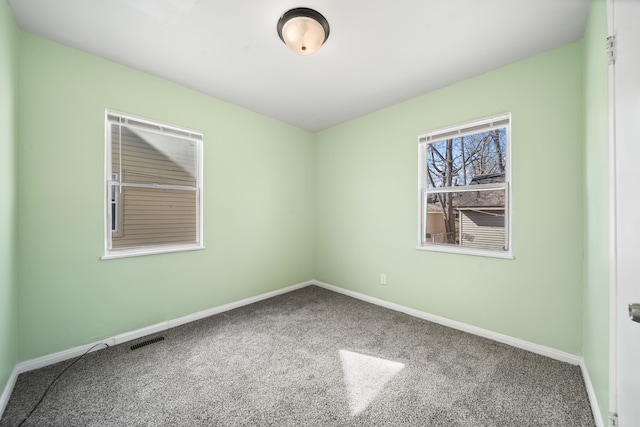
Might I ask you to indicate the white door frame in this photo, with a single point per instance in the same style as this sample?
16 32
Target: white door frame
613 257
623 90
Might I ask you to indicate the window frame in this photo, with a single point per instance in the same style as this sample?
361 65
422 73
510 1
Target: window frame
124 119
497 121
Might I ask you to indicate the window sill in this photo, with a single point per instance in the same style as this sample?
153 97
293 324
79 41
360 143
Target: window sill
126 253
466 251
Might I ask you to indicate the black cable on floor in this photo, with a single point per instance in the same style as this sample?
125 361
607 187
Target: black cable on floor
56 379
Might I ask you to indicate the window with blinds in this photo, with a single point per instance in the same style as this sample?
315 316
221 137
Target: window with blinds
463 191
153 182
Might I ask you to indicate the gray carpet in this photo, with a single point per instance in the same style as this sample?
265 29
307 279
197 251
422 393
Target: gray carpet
310 357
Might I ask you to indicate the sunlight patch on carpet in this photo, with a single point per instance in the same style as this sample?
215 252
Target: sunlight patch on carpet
365 376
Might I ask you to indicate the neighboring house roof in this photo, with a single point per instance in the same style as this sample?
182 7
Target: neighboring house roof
485 200
482 199
488 178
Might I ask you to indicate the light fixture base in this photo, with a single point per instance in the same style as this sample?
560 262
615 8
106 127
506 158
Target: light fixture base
303 30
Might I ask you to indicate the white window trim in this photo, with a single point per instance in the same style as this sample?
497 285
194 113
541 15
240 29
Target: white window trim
462 129
131 252
114 116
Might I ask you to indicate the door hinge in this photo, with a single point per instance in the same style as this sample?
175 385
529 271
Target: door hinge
611 49
613 419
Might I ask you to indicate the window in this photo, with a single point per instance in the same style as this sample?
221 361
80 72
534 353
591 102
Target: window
153 187
464 192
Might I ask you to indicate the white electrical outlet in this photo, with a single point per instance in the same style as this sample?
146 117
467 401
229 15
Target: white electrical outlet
383 279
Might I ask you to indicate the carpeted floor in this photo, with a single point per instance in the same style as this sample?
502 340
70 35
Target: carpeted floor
310 357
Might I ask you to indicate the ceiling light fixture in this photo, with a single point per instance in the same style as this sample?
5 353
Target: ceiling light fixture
303 30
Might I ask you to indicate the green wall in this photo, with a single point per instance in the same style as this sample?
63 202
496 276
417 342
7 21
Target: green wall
596 207
366 198
8 138
258 203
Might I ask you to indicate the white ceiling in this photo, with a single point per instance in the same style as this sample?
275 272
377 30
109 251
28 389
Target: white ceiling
379 52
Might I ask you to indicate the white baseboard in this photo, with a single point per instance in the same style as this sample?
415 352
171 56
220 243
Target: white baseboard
50 359
595 408
515 342
232 305
506 339
159 327
8 388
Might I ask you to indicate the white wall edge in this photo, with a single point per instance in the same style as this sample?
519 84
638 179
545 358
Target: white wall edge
495 336
8 388
595 409
50 359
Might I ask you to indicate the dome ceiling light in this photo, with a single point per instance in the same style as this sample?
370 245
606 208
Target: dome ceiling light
303 30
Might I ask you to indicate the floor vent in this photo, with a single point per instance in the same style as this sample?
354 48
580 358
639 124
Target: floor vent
147 342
